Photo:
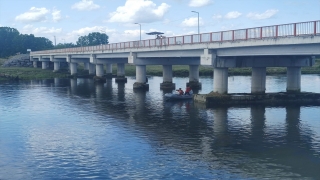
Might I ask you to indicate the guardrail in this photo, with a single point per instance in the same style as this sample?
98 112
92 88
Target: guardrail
293 29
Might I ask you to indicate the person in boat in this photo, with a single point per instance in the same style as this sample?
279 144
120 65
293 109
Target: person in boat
180 91
188 90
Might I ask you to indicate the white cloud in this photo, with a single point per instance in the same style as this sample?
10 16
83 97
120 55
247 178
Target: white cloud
87 30
217 16
191 22
56 16
33 15
29 29
268 14
232 15
141 11
85 5
199 3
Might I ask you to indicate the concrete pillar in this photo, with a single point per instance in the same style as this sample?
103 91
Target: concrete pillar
73 68
45 64
56 66
293 79
92 69
167 78
258 80
99 70
86 66
220 81
141 78
120 73
194 77
35 64
109 70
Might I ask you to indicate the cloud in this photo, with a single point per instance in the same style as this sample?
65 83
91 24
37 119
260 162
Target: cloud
33 15
232 15
199 3
87 30
192 22
30 29
141 11
85 5
267 14
56 16
217 16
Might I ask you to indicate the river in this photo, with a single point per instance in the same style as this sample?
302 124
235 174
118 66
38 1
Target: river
76 129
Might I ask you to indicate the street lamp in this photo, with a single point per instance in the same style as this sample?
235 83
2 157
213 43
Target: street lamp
198 21
140 29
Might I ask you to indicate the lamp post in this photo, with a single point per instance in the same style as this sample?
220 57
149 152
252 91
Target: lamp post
198 21
140 29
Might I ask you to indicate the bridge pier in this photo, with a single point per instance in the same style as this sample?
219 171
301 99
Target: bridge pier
86 66
220 83
99 70
35 64
258 80
109 70
141 78
167 78
73 68
56 66
194 77
92 69
293 79
45 64
120 73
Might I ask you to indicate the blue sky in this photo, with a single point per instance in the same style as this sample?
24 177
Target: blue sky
69 19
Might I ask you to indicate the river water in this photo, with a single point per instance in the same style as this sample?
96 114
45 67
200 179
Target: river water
76 129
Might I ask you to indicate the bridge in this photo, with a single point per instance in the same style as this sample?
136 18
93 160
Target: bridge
292 46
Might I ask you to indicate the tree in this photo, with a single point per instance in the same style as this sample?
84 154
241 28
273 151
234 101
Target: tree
65 45
12 42
92 39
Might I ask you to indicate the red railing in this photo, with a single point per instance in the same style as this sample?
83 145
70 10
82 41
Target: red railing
293 29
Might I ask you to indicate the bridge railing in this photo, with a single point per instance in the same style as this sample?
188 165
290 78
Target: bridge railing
293 29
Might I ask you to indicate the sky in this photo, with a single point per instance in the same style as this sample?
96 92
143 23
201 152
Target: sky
63 21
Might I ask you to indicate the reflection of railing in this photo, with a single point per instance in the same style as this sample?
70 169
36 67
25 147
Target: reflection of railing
294 29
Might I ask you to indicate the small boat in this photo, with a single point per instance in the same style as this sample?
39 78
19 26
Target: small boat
171 96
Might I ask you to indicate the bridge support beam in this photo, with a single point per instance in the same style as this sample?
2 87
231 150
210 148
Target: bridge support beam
258 80
194 77
99 70
92 69
293 79
220 81
141 78
167 78
73 68
120 73
45 64
56 66
109 70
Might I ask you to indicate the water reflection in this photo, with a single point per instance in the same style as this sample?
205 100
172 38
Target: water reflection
175 138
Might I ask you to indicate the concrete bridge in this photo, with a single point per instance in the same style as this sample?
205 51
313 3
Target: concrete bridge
292 45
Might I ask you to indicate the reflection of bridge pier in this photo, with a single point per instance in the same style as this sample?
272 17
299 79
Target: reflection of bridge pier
293 123
257 123
121 91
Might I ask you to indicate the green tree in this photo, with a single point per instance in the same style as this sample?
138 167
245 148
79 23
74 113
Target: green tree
12 42
92 39
65 45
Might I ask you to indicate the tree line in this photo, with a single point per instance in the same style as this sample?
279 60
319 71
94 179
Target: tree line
12 42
